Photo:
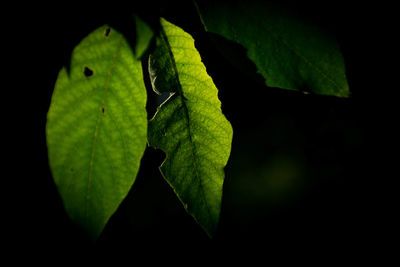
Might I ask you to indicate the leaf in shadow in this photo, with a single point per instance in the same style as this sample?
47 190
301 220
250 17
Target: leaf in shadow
289 51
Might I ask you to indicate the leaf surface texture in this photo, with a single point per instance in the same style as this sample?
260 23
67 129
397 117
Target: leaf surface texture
288 51
190 126
96 128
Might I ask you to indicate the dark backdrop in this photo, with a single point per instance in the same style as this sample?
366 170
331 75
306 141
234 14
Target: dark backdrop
298 177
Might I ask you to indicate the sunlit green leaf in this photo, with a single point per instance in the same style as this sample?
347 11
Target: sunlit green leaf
288 52
96 128
189 126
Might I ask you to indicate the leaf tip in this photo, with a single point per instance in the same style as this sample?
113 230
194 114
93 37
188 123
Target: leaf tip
144 36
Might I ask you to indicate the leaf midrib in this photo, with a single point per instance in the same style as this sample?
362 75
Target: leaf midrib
187 118
98 124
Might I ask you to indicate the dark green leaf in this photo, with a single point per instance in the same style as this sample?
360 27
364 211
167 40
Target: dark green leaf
144 35
288 52
162 69
189 126
96 128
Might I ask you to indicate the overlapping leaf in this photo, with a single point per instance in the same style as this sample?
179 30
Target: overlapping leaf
97 127
189 126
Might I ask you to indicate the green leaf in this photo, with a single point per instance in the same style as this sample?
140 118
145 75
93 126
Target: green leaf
189 126
144 35
288 52
97 127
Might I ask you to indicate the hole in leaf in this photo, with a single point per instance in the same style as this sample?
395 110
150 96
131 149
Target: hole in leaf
88 72
107 32
103 110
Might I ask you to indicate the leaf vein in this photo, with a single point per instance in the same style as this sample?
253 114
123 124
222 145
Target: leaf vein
187 119
280 38
99 120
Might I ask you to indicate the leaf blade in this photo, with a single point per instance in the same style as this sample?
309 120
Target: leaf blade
96 128
191 129
289 52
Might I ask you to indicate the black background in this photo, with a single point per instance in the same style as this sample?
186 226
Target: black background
304 174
